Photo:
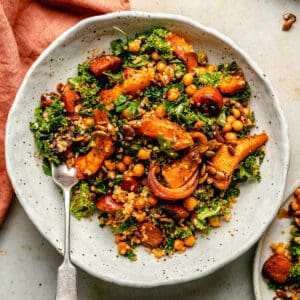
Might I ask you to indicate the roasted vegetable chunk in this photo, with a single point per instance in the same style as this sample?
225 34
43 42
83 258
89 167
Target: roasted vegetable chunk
277 269
166 193
134 82
107 204
209 99
232 84
225 162
178 173
91 162
151 235
70 98
184 51
153 126
105 63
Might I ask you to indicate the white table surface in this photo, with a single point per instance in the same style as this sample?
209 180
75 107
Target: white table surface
28 263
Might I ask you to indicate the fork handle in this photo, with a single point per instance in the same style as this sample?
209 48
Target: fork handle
66 283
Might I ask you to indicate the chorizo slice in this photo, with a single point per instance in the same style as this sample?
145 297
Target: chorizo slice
277 268
151 235
209 99
175 211
130 184
70 98
107 204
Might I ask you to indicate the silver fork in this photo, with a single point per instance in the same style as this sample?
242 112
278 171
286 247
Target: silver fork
66 277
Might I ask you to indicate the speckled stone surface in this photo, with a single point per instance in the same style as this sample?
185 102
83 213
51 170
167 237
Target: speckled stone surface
29 263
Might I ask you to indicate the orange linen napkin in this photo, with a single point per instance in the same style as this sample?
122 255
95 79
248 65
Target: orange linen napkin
27 27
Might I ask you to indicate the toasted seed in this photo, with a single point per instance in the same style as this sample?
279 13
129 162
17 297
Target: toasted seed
210 153
231 149
98 133
211 170
203 178
209 180
100 127
203 170
220 175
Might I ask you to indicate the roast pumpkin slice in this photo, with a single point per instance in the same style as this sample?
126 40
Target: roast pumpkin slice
226 161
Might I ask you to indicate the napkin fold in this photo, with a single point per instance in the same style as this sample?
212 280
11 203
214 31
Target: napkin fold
27 27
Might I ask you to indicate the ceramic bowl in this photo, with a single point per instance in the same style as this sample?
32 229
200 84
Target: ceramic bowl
278 231
93 248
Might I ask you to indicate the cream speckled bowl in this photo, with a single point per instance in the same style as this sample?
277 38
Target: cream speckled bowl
278 231
93 248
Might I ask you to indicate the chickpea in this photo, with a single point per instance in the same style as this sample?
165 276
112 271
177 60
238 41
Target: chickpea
140 216
230 119
173 94
160 111
189 241
88 121
191 89
295 205
127 160
227 127
126 114
161 66
155 55
297 191
152 201
230 136
211 68
144 154
237 125
198 125
246 111
179 245
121 167
188 78
138 170
134 46
215 222
118 238
158 253
109 165
280 249
201 70
236 113
139 202
123 247
190 203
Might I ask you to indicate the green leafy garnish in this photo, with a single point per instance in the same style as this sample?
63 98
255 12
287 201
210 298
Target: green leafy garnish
81 204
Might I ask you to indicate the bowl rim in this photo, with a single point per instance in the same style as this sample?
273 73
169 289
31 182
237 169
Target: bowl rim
156 16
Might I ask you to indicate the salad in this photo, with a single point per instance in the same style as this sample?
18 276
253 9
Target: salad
282 269
160 138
